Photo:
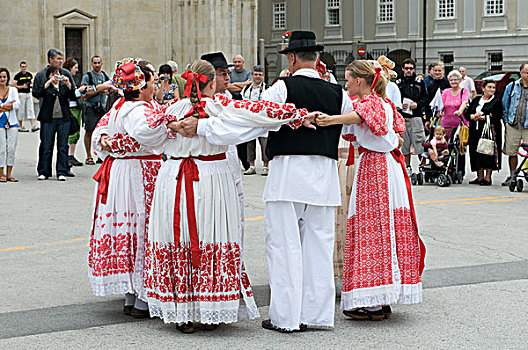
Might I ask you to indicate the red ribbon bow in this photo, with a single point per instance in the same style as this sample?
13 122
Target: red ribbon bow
128 71
376 77
190 77
197 107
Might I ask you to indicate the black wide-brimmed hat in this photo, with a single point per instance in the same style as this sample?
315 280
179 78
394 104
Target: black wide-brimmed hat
217 59
302 40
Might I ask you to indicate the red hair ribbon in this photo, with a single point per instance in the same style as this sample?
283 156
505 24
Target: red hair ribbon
376 77
197 107
191 76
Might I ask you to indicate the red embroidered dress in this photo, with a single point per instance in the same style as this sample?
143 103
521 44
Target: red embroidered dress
204 280
383 253
116 257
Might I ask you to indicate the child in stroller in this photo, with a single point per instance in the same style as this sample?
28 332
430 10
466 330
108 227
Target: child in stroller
443 167
438 143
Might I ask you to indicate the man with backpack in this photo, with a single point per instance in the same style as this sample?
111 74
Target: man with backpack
515 106
95 103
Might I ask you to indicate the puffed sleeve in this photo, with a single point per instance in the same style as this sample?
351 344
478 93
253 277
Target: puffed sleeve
372 112
100 129
146 125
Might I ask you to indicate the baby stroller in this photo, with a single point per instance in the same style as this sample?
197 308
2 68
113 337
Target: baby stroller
523 168
447 174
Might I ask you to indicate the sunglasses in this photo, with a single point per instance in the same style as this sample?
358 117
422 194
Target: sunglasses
408 68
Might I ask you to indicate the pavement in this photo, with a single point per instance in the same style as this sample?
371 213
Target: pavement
475 283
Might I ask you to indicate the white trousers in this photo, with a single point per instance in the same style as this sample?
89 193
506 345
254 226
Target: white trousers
8 143
26 110
299 249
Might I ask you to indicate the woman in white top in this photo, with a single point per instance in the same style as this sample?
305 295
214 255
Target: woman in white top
9 103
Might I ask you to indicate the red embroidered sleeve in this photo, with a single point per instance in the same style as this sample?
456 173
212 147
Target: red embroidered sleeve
155 114
398 123
273 110
372 112
349 137
103 121
123 143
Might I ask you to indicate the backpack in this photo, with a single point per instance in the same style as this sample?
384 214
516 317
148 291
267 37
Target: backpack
91 80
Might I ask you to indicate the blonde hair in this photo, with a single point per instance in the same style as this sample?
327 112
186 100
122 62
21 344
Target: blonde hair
441 129
364 70
205 68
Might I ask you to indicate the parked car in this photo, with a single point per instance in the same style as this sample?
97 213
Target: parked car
501 79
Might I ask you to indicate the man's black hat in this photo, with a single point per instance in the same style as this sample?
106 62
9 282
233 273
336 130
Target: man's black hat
302 40
217 59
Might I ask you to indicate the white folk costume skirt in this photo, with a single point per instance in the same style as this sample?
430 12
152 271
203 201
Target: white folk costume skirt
117 244
383 253
202 282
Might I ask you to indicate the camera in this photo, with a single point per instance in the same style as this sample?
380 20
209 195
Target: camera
59 77
28 83
164 77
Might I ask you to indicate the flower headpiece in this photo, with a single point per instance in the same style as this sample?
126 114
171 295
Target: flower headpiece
286 36
128 76
387 65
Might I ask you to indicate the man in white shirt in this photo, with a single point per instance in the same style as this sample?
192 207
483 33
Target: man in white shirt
301 193
254 92
467 82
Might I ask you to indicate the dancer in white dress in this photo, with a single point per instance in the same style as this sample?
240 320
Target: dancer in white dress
384 256
130 138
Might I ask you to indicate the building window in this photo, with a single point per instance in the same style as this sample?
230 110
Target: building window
385 10
445 9
332 12
448 60
494 7
279 15
495 60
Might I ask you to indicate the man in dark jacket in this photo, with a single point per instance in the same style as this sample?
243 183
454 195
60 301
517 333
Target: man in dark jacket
51 125
414 99
439 82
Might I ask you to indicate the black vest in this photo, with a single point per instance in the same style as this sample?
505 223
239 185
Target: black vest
315 95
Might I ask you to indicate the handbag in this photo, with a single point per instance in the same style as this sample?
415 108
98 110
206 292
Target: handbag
486 145
74 125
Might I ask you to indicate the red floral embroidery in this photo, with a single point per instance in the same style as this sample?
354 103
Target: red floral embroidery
103 121
169 276
124 143
371 110
368 255
155 113
273 110
368 247
113 254
407 246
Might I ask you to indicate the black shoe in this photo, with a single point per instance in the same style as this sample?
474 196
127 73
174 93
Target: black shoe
387 311
137 313
69 174
475 182
127 309
364 314
507 181
99 161
186 328
485 183
75 162
266 324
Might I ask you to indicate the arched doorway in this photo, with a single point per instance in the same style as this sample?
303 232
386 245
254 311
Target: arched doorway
398 56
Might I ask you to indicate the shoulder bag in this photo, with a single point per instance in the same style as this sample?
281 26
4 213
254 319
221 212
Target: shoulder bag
486 145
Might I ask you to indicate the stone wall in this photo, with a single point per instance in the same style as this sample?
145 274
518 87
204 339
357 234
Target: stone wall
156 30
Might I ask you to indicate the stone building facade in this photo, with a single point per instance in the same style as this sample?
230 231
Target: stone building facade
477 34
156 30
